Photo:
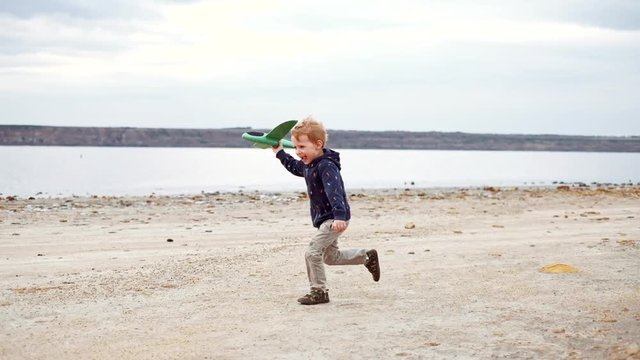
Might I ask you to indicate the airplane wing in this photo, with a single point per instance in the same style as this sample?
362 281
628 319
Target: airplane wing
273 138
281 130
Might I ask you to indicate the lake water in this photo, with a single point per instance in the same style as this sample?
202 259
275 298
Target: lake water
64 171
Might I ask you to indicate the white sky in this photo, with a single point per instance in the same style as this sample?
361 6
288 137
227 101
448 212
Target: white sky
484 66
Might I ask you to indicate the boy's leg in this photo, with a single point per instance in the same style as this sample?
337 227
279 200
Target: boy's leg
334 256
314 255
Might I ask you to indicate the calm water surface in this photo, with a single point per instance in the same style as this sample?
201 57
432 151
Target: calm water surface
63 171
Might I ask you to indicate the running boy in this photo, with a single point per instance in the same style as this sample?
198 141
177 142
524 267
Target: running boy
330 211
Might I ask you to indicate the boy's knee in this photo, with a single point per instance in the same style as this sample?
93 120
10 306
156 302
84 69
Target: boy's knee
329 260
313 255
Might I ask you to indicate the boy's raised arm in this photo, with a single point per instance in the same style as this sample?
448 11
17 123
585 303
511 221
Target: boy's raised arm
292 165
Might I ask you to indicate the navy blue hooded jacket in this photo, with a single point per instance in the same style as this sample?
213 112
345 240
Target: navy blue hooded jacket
327 196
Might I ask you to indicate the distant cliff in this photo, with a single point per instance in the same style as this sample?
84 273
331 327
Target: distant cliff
339 139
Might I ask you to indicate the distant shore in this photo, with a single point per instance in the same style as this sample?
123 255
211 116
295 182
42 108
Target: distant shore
24 135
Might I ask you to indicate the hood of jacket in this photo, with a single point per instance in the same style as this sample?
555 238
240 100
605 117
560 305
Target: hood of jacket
329 155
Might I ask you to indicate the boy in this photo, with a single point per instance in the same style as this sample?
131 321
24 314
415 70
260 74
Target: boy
330 211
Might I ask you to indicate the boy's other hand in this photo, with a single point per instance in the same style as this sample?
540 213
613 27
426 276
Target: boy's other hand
339 225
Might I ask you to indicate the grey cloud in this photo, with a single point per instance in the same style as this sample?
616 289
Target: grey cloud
84 9
611 14
12 46
29 8
15 46
72 9
24 36
71 26
620 15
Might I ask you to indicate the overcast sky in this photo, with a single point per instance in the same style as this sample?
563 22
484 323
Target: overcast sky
494 66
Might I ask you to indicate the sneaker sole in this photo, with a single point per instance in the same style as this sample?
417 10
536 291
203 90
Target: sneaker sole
317 303
374 256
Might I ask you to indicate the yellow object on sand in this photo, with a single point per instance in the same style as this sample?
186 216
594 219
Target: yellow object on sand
558 268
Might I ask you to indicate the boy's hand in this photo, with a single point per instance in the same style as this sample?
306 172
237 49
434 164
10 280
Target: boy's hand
339 225
277 148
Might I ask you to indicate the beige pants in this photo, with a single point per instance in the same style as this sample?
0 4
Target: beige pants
324 248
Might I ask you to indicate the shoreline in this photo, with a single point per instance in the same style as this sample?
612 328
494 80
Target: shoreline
217 275
556 185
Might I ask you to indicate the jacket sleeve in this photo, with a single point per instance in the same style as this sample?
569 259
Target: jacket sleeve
292 165
334 189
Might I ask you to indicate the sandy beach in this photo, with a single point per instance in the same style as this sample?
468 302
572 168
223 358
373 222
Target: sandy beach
216 276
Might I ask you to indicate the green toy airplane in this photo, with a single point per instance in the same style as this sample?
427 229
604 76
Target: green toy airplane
273 138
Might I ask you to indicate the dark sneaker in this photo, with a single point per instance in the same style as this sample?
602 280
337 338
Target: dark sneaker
316 296
372 264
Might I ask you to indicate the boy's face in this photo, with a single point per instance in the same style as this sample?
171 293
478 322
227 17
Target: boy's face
307 150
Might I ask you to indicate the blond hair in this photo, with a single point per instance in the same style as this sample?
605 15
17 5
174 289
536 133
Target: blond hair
311 127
